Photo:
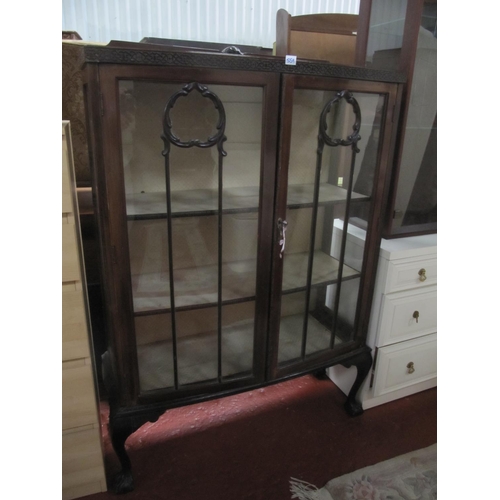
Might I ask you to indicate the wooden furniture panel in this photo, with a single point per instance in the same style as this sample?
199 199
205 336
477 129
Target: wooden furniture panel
328 37
75 344
78 395
67 197
320 46
82 469
82 460
73 107
70 256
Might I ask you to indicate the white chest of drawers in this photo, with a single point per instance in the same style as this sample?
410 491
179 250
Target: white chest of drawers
403 322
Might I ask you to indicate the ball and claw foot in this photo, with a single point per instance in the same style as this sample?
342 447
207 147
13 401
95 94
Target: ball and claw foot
353 408
363 363
123 482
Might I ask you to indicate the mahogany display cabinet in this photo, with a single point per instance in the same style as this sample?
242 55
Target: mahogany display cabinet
217 180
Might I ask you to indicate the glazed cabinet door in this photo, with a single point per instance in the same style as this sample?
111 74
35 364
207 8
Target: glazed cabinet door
334 150
189 173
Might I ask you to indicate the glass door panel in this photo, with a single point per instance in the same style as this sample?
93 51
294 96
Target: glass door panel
192 172
196 345
330 184
237 338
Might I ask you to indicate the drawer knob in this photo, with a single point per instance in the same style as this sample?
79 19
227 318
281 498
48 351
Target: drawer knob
421 275
411 367
416 314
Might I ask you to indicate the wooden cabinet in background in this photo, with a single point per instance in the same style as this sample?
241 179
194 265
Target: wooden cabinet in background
328 37
401 35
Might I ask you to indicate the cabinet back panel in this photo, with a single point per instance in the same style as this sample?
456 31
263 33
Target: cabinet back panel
195 242
142 105
197 349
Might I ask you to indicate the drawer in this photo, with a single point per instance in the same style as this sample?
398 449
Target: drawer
404 274
75 341
79 406
407 315
395 363
82 463
70 254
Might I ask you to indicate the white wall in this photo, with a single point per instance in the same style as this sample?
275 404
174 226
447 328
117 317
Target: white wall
246 22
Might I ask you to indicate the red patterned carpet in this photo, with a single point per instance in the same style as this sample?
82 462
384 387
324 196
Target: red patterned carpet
248 446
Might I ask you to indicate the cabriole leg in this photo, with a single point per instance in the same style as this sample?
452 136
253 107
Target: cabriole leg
120 428
363 363
123 482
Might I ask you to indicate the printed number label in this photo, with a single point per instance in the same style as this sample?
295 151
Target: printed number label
292 60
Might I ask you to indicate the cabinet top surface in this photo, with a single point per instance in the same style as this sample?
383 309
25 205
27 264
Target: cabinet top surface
398 248
118 52
412 246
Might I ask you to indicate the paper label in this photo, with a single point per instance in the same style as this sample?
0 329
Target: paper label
291 60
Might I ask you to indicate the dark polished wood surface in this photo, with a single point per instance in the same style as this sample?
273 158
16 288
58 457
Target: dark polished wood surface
105 67
129 53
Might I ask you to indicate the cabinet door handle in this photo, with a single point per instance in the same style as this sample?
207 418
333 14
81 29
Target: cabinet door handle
282 224
416 314
421 275
411 367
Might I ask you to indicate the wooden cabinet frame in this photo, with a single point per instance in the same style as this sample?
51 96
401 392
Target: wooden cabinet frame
105 68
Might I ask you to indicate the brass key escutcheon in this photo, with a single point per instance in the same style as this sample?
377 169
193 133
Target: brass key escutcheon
416 314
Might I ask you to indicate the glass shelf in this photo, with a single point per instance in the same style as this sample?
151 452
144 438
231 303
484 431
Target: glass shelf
325 271
301 195
192 202
195 353
235 200
197 287
194 287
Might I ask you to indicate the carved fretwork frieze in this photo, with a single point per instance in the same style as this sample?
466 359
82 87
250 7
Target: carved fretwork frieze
96 54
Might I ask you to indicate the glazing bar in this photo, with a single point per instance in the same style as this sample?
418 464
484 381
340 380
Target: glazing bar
171 267
342 249
314 218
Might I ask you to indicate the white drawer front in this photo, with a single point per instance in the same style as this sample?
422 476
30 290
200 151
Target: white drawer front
405 364
404 274
407 315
